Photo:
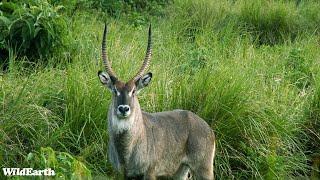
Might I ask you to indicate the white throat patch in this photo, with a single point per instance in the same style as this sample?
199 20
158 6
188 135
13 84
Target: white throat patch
120 125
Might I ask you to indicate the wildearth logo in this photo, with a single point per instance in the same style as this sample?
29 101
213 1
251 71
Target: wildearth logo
27 172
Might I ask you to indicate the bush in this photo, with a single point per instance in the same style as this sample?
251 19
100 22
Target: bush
31 28
64 164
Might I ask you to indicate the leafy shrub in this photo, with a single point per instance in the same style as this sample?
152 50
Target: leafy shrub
64 164
69 6
31 28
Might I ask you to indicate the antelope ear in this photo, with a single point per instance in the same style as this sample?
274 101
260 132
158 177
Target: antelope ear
105 80
144 81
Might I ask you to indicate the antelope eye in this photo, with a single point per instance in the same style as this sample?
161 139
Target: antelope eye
134 91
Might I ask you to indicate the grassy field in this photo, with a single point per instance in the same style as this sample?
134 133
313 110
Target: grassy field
249 68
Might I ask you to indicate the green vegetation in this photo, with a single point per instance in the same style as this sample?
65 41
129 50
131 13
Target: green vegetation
65 166
249 68
32 30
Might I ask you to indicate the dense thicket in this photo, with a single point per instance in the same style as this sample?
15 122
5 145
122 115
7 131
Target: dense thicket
32 29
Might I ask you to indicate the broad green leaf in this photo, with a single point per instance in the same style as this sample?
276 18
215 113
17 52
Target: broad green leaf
5 20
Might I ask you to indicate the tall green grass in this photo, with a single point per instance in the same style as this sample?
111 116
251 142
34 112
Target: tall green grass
258 88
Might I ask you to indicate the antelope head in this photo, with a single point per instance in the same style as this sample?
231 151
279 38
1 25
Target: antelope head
124 94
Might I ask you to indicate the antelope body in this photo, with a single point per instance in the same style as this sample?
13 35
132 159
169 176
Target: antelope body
151 145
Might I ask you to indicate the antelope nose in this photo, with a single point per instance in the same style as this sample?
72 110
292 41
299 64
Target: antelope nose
123 108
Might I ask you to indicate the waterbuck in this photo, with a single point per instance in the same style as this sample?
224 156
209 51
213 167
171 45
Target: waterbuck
145 145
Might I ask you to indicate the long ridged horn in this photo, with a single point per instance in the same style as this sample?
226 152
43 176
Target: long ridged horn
147 58
106 63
